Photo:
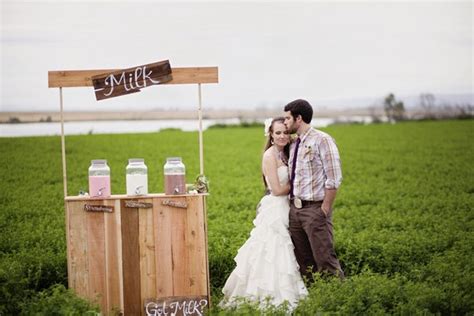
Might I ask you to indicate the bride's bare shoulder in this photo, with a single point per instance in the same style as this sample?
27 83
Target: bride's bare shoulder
269 153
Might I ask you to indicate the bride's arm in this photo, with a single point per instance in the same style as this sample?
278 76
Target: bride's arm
269 166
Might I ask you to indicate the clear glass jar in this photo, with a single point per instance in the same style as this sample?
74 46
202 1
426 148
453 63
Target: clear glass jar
99 178
175 172
137 177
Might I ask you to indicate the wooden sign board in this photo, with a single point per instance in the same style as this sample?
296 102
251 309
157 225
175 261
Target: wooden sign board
179 306
131 80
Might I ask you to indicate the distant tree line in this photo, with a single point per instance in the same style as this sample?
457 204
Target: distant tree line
16 120
428 109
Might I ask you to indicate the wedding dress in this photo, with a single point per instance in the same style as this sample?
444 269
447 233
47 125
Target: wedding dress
266 264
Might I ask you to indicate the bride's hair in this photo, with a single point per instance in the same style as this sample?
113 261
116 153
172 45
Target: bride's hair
269 143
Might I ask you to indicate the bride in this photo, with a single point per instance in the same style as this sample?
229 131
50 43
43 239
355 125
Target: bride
266 265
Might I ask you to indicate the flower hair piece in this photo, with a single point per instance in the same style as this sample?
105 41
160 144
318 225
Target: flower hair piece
268 123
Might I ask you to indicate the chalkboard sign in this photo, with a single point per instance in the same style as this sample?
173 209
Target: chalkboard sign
131 80
177 305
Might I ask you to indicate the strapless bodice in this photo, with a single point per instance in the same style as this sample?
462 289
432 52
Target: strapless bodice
283 177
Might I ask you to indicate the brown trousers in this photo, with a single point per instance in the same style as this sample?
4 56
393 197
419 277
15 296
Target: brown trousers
311 232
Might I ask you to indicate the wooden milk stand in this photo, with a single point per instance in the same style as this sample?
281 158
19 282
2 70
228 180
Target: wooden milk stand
142 255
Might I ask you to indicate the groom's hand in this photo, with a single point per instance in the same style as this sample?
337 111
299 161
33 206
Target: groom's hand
326 208
329 196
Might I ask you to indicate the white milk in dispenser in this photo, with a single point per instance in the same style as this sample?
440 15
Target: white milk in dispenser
137 177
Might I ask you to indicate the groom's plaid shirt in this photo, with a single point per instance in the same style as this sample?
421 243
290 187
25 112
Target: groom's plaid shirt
318 165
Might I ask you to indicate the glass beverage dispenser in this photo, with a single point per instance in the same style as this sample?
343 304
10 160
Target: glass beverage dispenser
99 178
175 171
137 177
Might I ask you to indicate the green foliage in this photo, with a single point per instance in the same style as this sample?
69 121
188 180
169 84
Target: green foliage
403 221
368 294
245 307
58 301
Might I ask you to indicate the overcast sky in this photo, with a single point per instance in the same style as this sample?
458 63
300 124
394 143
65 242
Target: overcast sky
268 53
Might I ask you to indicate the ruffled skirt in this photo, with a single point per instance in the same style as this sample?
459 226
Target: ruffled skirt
266 264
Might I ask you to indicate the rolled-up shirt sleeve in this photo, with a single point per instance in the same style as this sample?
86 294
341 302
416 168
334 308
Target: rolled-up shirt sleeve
331 163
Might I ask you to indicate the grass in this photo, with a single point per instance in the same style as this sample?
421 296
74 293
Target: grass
403 217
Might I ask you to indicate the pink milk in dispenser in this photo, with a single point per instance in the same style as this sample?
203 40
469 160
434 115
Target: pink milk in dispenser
99 179
174 171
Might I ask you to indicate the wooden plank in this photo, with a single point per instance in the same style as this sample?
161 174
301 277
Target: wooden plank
117 83
83 78
130 260
164 264
195 245
194 75
124 196
179 251
77 249
202 198
113 257
147 252
118 216
68 242
96 257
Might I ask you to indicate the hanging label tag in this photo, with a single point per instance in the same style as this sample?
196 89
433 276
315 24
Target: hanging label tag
177 204
98 208
136 204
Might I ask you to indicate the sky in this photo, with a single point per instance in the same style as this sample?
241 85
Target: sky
332 53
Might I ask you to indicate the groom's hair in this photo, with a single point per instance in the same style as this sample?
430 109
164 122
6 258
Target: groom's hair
300 107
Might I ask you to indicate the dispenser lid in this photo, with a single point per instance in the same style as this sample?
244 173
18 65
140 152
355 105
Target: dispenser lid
99 161
136 160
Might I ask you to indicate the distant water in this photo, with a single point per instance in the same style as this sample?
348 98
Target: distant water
119 127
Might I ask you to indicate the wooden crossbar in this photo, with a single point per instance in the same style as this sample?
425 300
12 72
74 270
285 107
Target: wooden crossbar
82 78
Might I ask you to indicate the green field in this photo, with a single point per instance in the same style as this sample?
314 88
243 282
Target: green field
403 217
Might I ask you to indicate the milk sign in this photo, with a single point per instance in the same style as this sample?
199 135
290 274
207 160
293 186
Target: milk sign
130 80
176 306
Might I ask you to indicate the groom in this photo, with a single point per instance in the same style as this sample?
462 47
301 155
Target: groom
315 175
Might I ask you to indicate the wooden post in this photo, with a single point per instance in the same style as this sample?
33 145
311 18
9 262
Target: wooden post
201 148
63 154
63 142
